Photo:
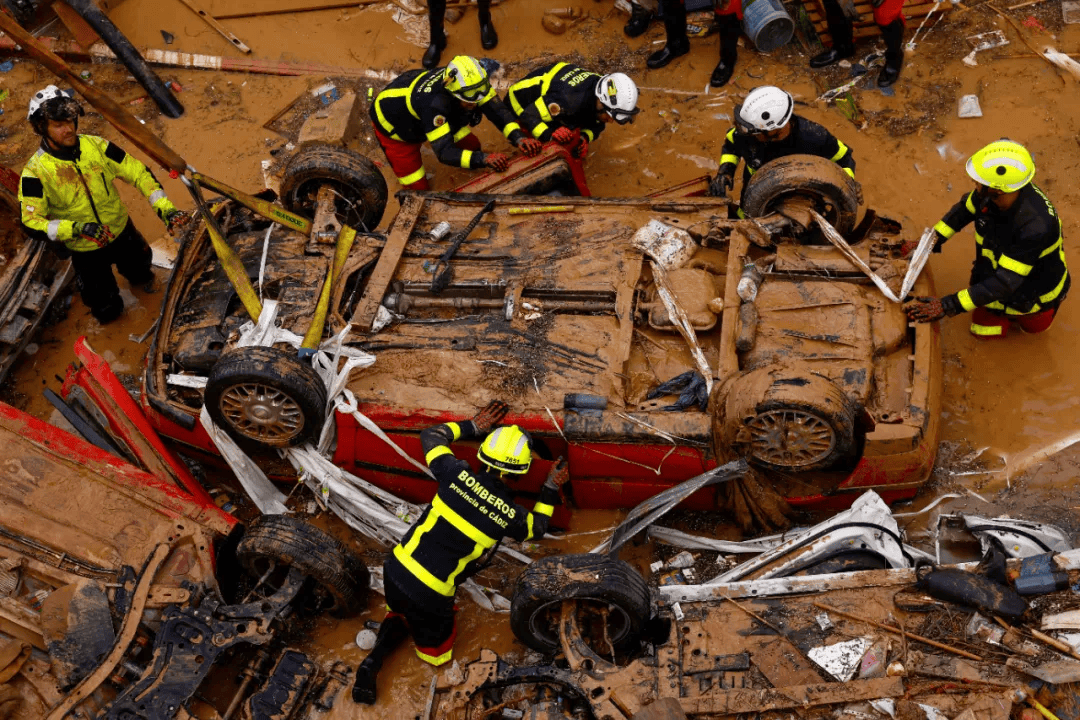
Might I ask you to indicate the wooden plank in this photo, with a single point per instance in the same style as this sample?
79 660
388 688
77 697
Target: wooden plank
221 29
387 264
781 666
730 702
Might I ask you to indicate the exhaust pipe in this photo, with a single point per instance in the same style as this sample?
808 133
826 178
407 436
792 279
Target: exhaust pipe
127 54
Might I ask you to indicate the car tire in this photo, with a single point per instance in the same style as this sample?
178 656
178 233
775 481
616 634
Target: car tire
800 423
361 188
589 578
265 396
847 562
340 574
835 193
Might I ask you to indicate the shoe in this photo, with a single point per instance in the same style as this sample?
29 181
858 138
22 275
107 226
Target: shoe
363 690
488 37
640 19
431 55
666 54
831 56
889 74
722 74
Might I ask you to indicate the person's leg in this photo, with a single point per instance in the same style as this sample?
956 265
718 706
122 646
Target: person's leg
434 632
405 161
893 33
1037 322
392 632
641 15
488 37
133 257
98 285
677 43
437 35
987 325
730 29
843 36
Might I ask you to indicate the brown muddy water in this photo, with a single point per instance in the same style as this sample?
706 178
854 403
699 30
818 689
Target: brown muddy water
1008 406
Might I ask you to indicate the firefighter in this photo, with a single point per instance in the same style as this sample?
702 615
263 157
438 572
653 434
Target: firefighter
1019 272
889 16
766 129
437 36
440 106
455 536
571 105
67 197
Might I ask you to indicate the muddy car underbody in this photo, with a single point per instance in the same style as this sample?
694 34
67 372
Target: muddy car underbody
551 307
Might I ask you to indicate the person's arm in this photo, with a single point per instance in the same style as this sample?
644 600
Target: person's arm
131 170
436 440
34 211
528 525
958 216
496 111
533 116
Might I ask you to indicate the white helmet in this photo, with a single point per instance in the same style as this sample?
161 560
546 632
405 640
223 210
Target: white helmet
765 108
42 96
618 93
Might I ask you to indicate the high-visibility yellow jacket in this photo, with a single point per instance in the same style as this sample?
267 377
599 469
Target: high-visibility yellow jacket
55 192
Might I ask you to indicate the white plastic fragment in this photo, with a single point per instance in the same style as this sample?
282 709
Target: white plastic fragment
969 107
841 659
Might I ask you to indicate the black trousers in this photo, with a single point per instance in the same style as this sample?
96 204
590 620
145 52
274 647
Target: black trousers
437 11
131 255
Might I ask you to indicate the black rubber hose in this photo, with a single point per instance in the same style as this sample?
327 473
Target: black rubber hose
127 54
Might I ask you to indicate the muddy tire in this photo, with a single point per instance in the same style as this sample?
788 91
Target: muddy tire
266 396
282 541
596 581
801 423
834 193
360 187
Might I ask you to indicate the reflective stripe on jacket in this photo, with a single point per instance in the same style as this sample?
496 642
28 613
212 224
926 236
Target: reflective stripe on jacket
470 514
416 106
559 95
1020 263
54 193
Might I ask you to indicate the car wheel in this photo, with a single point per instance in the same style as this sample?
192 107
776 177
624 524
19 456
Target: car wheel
359 187
612 600
274 543
832 191
267 396
799 422
846 562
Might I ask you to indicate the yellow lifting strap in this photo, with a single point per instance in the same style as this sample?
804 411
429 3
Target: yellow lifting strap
267 209
314 334
230 261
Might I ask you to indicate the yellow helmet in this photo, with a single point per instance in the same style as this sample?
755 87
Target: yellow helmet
466 79
1003 165
506 449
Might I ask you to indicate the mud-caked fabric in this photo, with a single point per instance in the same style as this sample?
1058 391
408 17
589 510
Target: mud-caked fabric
555 96
471 512
62 187
1020 266
806 138
416 107
432 625
407 162
132 256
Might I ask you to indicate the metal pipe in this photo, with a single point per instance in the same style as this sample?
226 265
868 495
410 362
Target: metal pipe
126 52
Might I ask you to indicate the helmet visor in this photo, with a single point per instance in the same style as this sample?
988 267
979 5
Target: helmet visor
623 116
474 93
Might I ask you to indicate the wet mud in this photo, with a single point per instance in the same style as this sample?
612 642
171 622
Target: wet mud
1008 406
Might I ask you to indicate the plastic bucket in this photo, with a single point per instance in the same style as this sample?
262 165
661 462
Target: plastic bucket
767 24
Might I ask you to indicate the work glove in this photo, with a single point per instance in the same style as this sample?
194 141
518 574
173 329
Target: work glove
929 309
581 149
564 136
939 240
496 161
530 146
559 473
175 219
94 232
721 185
691 388
490 416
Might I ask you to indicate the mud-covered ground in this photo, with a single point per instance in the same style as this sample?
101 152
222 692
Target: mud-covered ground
1008 405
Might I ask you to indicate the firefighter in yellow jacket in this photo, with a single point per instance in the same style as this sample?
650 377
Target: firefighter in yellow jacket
67 197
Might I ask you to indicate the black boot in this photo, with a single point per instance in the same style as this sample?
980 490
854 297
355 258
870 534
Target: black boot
639 21
437 36
843 36
488 37
894 53
678 43
392 632
730 29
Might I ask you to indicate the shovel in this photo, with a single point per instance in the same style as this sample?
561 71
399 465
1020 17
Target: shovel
444 273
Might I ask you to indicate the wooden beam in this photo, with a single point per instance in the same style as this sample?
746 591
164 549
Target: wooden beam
731 702
387 264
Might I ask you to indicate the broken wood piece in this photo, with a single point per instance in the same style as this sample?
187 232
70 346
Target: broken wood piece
1052 671
336 5
221 29
781 667
1024 4
730 702
897 631
1047 639
1069 620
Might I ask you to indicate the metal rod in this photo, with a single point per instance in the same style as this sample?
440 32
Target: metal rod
897 631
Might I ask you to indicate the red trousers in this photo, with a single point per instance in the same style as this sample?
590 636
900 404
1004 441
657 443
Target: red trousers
405 160
985 324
